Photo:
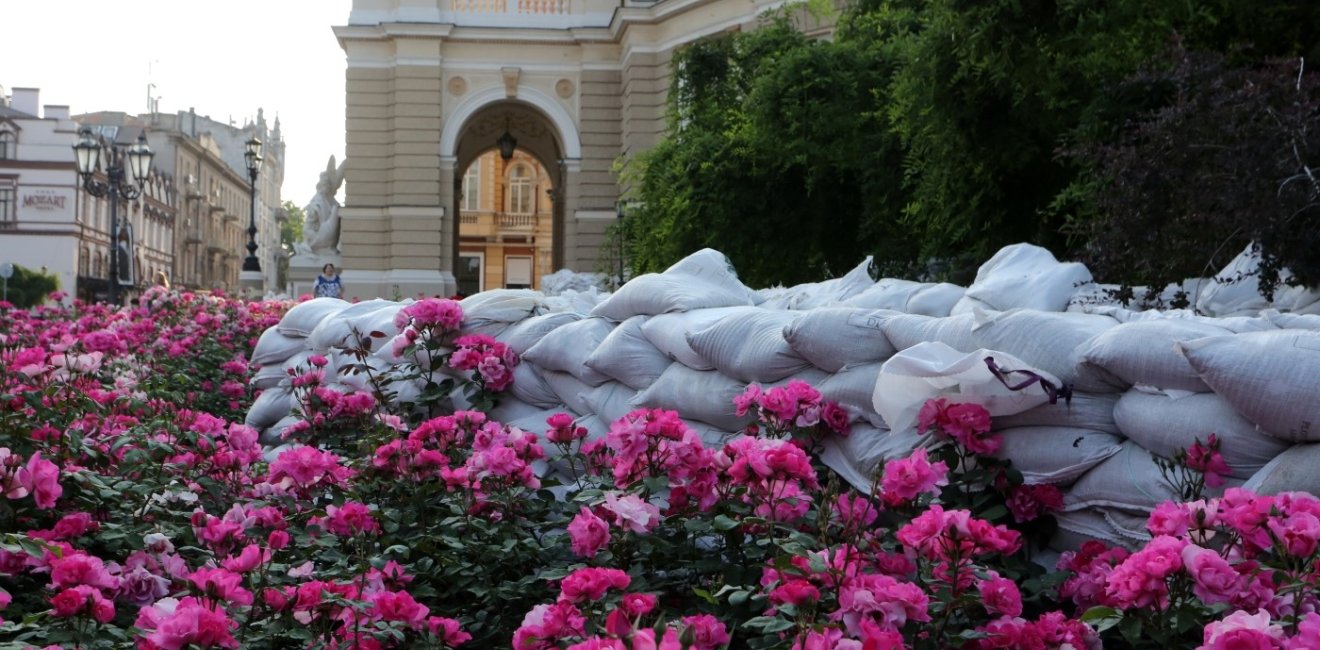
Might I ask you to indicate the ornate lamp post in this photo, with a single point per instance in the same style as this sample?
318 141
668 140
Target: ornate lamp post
251 276
117 186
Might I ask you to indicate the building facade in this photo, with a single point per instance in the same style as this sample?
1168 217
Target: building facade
434 85
505 221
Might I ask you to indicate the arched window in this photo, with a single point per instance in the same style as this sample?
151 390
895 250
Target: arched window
520 190
84 262
8 143
472 187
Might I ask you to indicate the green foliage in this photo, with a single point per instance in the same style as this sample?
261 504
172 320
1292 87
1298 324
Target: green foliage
925 129
29 288
291 230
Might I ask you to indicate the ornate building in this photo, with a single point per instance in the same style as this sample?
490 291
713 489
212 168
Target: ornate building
504 225
578 86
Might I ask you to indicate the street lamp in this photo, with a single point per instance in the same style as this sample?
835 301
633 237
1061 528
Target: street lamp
251 275
117 186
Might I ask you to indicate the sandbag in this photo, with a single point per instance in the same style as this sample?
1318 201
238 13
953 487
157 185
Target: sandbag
626 355
1094 411
1056 455
1163 425
1272 378
502 306
568 390
833 337
1128 480
749 345
669 333
819 294
1234 291
610 401
567 348
529 386
274 434
267 377
1143 352
336 330
1049 341
935 300
1294 470
269 407
931 370
521 336
1081 526
701 280
303 317
273 347
706 396
886 294
509 409
1294 321
1027 276
860 455
853 388
907 330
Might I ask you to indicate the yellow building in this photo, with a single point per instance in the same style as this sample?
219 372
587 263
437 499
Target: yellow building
505 224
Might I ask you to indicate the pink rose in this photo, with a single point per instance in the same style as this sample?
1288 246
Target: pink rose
42 481
1216 580
589 533
1000 596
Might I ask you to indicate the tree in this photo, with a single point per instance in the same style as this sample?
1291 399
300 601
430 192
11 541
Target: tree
291 230
28 288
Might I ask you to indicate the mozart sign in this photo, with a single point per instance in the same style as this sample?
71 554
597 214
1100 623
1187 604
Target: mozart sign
44 202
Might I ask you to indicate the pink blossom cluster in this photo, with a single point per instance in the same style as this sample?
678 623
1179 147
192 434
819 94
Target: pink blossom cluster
37 477
905 479
655 443
794 405
431 315
491 362
967 424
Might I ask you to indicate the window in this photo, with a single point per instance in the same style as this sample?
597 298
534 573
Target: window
520 190
469 272
8 204
517 273
472 187
8 144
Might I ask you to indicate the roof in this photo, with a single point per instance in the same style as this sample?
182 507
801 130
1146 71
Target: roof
6 111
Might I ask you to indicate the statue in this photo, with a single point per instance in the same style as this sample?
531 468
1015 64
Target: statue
321 225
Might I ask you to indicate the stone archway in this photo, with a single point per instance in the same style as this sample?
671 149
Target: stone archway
539 136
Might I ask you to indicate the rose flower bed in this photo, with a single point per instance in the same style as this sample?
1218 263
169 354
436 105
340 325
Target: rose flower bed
138 511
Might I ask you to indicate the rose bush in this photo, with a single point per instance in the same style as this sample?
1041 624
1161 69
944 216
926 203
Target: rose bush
136 510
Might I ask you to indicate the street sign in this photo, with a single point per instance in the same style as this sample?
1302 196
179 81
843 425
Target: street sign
7 270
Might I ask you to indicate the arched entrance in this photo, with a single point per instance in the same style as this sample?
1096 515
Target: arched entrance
508 175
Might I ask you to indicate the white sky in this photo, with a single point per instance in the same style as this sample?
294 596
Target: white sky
225 59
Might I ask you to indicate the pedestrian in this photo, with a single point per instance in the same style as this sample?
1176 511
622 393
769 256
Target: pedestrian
328 284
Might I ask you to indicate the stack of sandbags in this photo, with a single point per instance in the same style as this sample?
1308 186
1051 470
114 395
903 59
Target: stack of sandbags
282 350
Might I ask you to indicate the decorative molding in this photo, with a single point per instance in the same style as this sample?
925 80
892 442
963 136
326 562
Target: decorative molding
457 85
550 107
564 88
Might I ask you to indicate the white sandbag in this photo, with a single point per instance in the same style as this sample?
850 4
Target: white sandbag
377 322
509 409
521 336
1056 455
819 294
969 305
1294 321
698 395
1143 352
1027 276
273 348
626 355
701 280
269 408
888 293
669 333
853 388
576 302
529 386
907 330
1129 480
1235 290
1081 526
860 455
611 401
1164 424
564 281
1296 299
833 337
1272 378
359 375
336 330
1094 411
567 348
303 317
935 300
274 434
1294 470
1093 294
1049 340
931 370
749 345
502 305
267 377
569 390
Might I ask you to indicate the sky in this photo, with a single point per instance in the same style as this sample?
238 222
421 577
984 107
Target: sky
224 59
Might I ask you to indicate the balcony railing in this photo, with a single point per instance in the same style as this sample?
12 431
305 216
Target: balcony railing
507 220
492 224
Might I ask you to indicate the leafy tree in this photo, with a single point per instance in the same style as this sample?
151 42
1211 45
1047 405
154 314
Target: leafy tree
291 232
28 288
1229 161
